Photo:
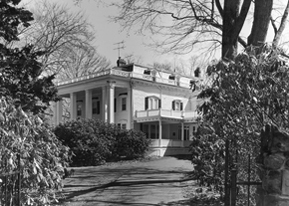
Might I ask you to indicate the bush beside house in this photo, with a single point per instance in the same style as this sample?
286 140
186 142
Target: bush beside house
94 142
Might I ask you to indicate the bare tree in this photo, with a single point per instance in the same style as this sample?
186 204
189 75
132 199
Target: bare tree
66 38
195 22
80 62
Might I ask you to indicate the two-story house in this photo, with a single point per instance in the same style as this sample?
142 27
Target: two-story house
160 104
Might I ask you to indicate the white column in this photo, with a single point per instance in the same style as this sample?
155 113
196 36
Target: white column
73 106
111 86
182 133
59 112
129 109
104 104
54 117
88 104
160 132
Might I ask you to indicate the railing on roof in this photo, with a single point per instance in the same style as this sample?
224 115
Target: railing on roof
91 76
127 75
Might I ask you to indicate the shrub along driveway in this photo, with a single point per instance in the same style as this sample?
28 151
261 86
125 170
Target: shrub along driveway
158 181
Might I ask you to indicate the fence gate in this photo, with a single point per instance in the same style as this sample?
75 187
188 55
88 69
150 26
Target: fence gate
231 182
10 186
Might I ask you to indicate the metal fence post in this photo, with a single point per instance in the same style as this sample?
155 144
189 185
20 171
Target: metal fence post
19 181
227 189
249 179
233 193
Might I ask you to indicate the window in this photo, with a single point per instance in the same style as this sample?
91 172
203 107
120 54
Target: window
154 131
79 108
177 105
96 107
123 126
115 104
186 133
123 103
152 103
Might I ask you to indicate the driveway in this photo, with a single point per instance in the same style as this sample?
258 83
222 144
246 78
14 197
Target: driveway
158 181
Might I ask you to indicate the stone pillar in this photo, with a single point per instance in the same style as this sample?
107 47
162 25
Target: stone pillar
59 112
111 86
88 104
274 173
104 104
72 106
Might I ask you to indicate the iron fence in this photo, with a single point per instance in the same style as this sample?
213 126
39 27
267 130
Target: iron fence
231 180
10 186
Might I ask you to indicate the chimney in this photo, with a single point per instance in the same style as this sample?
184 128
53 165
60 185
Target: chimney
197 72
120 62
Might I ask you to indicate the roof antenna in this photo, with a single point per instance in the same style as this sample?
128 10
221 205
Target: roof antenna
120 62
119 46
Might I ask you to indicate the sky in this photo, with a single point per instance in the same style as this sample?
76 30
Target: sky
109 33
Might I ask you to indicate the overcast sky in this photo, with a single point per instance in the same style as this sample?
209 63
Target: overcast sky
108 34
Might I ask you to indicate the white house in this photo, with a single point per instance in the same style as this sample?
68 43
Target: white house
160 104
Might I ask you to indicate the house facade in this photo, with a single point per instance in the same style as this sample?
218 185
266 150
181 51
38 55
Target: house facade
160 104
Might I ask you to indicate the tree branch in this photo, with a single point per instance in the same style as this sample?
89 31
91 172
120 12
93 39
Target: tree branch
273 25
238 25
220 9
282 26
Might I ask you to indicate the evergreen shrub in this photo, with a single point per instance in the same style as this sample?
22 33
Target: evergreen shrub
94 142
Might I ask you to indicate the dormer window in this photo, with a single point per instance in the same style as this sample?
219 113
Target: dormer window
147 72
177 105
172 77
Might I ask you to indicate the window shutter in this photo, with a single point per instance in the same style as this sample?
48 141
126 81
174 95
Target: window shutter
173 105
160 103
146 103
181 106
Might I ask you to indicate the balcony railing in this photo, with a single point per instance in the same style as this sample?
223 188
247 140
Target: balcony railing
166 113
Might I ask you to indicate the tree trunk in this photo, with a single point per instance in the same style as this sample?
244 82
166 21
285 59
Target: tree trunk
230 14
262 13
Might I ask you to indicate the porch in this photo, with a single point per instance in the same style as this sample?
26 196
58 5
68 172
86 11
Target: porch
168 136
